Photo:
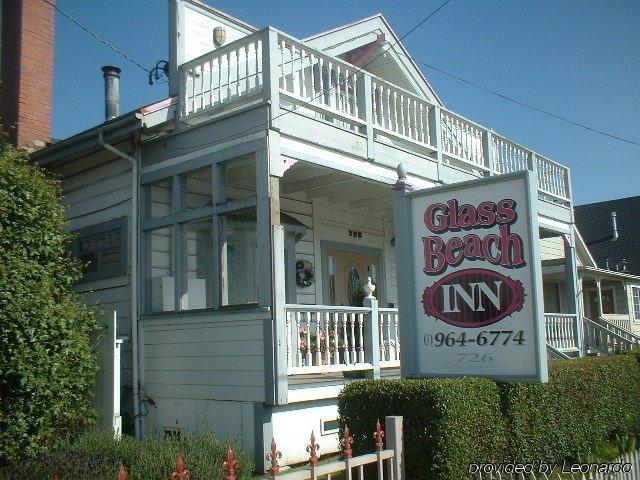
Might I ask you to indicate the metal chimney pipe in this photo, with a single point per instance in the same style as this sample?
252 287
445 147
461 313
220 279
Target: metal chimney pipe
111 76
614 222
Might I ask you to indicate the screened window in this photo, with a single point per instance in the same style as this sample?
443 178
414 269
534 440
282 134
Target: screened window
160 282
198 290
201 240
160 198
103 249
635 294
239 262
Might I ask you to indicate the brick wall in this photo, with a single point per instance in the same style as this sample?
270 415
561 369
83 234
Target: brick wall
26 71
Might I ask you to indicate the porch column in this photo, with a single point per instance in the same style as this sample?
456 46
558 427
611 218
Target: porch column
571 282
270 268
599 287
371 338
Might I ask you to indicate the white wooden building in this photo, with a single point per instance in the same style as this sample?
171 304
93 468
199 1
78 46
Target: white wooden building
230 225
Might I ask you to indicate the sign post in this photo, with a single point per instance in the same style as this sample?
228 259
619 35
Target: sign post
469 279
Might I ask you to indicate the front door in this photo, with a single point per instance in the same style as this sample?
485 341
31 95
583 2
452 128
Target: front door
347 274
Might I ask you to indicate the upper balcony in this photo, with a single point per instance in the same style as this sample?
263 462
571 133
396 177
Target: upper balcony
297 78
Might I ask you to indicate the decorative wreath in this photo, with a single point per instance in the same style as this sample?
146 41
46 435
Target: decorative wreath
304 273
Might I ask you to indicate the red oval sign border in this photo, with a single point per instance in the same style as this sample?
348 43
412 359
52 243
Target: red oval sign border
515 286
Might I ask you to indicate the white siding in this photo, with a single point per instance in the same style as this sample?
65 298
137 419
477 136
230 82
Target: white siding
204 356
96 189
198 31
551 248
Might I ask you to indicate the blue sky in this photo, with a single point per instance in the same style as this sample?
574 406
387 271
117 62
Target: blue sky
578 59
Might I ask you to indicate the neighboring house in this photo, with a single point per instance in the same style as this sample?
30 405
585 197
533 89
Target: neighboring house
232 225
610 230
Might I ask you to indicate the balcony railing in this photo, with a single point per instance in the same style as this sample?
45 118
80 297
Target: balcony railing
563 331
295 76
323 338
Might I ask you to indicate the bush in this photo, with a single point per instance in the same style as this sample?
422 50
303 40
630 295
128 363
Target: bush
97 456
47 366
450 423
585 403
447 423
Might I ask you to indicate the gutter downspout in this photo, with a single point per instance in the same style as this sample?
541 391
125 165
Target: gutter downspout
134 274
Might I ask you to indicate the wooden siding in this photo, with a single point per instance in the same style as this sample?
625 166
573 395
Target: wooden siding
204 356
96 189
551 248
198 31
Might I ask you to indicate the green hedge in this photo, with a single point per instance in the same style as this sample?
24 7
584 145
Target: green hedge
447 423
450 423
585 403
97 456
47 364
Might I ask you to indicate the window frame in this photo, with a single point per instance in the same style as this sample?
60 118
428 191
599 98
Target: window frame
100 229
635 294
178 220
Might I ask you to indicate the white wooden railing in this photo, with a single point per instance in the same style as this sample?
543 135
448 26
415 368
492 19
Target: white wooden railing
226 75
310 82
563 331
606 340
389 336
322 338
400 113
620 321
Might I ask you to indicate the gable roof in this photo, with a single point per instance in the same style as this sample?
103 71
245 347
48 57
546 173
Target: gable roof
594 222
396 65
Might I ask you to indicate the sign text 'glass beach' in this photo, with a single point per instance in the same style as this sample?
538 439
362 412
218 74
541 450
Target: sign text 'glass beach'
469 279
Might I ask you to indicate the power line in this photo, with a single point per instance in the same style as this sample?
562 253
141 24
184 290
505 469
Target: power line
99 38
323 92
526 105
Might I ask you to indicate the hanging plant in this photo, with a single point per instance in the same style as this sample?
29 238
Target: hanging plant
304 273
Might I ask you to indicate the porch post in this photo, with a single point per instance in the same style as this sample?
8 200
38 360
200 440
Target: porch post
371 338
404 268
599 287
571 282
270 271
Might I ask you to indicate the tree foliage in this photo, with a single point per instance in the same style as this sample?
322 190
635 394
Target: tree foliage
47 365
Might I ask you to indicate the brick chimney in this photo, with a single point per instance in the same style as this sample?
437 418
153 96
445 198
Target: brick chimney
26 70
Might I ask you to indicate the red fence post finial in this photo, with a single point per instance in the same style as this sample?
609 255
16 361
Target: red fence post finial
379 435
347 441
313 450
122 473
230 465
181 472
273 457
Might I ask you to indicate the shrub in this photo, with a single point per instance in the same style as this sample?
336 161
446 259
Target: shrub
585 403
46 362
450 423
447 423
96 455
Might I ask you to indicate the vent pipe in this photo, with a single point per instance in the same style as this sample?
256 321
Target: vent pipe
111 76
614 224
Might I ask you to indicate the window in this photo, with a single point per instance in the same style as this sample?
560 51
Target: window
160 284
103 248
195 233
198 291
239 261
160 198
635 295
